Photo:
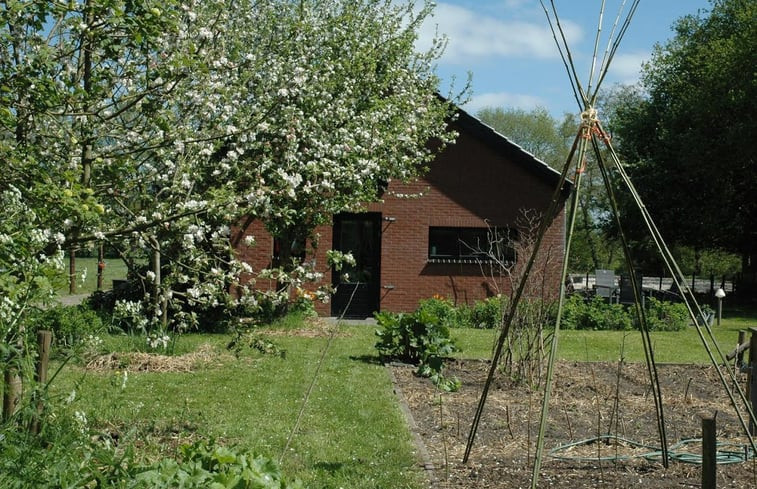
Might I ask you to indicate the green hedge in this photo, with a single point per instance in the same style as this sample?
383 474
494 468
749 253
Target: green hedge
596 314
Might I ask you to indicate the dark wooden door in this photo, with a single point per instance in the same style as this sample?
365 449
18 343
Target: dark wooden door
357 295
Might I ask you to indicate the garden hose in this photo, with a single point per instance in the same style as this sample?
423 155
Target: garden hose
727 453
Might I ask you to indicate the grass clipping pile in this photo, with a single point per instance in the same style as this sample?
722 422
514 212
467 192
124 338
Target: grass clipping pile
589 401
152 362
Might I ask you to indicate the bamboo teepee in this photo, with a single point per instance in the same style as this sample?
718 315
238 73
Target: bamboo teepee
591 137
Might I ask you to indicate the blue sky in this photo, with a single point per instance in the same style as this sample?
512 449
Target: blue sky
508 48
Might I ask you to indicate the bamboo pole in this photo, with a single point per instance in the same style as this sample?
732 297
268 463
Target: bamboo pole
584 134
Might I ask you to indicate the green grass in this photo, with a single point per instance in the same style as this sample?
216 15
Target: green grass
114 269
668 346
351 435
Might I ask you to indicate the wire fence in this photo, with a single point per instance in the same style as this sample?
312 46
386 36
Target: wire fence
699 285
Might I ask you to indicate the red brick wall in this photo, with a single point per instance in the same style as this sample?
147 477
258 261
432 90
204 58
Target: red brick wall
469 185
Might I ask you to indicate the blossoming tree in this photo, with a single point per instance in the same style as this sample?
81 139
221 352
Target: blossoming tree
156 126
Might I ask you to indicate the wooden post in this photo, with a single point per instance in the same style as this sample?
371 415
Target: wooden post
100 266
11 392
739 351
752 377
709 454
44 340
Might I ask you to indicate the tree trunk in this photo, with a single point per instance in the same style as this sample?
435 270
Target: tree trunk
72 271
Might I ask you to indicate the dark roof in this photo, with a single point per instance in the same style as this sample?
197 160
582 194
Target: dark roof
515 153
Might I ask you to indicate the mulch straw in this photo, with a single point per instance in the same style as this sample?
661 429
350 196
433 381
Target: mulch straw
152 362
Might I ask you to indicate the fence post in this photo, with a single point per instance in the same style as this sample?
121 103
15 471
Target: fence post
739 351
709 454
752 376
11 392
44 340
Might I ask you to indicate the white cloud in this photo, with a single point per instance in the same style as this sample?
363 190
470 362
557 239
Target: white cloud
503 99
473 35
625 68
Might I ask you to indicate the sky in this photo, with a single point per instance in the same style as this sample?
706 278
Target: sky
508 48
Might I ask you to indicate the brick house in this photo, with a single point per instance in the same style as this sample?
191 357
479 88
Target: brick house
425 237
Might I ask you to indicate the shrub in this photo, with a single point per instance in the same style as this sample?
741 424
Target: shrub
666 316
71 325
488 313
419 338
485 314
442 308
594 314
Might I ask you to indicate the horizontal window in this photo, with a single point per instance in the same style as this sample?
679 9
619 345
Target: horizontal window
470 245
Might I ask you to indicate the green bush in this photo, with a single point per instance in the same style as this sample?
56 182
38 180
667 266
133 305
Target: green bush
442 308
419 338
71 325
488 313
666 316
594 314
484 314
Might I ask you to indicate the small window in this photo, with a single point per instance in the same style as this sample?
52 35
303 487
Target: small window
296 250
470 245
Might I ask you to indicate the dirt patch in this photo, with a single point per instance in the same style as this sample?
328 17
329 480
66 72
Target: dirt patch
583 407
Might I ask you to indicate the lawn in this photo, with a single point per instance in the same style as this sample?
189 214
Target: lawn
668 347
86 267
351 434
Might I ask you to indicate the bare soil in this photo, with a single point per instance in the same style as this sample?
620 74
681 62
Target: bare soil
588 400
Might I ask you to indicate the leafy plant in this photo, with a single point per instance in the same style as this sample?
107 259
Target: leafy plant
69 454
249 338
594 314
71 325
666 316
419 338
484 314
206 464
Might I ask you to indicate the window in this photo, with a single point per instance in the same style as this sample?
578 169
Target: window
296 250
470 245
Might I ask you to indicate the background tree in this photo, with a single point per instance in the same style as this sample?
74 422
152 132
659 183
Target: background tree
688 134
534 130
